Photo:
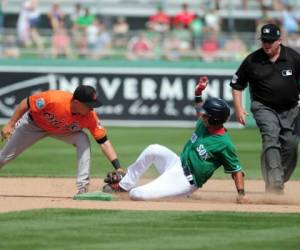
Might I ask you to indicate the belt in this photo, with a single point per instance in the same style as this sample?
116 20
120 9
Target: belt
188 173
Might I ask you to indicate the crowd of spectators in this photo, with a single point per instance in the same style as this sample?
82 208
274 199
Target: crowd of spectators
185 35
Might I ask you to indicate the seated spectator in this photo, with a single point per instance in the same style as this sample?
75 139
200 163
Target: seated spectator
264 18
85 20
213 21
79 31
245 4
160 21
76 13
9 47
99 40
184 36
61 43
92 35
104 43
289 20
140 48
279 4
210 48
23 25
234 49
56 16
293 41
185 17
120 32
271 4
172 48
27 25
196 27
34 21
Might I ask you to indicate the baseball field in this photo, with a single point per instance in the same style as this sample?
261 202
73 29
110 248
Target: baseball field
37 210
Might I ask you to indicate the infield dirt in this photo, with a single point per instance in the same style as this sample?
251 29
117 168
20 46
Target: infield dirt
17 194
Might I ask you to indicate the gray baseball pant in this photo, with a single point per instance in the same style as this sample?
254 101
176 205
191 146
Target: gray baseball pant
27 133
279 142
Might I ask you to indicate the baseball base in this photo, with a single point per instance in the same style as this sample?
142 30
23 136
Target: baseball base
95 196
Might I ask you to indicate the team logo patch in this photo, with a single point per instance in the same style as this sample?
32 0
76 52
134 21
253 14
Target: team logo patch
266 31
234 79
194 138
287 72
40 103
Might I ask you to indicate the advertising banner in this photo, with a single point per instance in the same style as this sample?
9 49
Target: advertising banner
137 97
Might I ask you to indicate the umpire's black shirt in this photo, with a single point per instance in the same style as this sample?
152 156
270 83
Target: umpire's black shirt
274 84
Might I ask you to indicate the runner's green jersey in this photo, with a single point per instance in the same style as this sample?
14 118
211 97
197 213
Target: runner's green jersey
206 152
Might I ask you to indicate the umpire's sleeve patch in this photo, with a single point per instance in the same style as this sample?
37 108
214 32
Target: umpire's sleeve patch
234 79
235 84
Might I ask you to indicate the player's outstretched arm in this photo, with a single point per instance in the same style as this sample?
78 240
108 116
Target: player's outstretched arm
110 153
238 178
8 128
201 85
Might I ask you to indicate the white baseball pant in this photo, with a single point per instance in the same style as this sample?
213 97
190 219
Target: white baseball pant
27 133
171 182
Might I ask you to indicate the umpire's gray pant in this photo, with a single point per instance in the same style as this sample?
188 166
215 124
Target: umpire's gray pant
279 142
27 133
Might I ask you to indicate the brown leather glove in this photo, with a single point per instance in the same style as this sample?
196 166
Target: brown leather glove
114 177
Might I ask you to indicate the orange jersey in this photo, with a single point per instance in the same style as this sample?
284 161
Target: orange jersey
51 111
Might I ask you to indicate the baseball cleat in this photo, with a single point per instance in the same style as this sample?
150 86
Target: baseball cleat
82 190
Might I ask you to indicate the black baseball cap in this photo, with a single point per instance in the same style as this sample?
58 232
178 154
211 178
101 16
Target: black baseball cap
270 32
87 95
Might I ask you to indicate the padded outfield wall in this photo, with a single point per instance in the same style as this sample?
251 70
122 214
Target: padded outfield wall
133 93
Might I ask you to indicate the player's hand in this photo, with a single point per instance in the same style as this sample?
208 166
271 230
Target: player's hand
121 170
201 85
241 116
242 199
6 132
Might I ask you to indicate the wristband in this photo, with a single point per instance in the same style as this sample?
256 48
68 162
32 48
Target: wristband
241 192
198 99
116 163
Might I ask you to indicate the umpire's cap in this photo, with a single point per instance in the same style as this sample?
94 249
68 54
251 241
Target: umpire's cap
270 32
216 109
87 95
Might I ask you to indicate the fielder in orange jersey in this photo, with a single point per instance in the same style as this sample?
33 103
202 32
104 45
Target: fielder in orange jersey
61 115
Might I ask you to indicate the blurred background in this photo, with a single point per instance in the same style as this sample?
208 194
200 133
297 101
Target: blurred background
173 30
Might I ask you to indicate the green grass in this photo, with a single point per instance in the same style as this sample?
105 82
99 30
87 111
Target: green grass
89 229
53 158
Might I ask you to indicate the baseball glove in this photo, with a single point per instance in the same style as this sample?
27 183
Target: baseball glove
114 177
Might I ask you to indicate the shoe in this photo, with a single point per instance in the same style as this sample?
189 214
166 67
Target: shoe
82 190
276 188
112 188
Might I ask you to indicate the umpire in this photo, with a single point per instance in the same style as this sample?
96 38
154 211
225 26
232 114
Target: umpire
273 73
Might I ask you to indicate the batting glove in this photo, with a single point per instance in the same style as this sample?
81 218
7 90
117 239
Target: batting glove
201 85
